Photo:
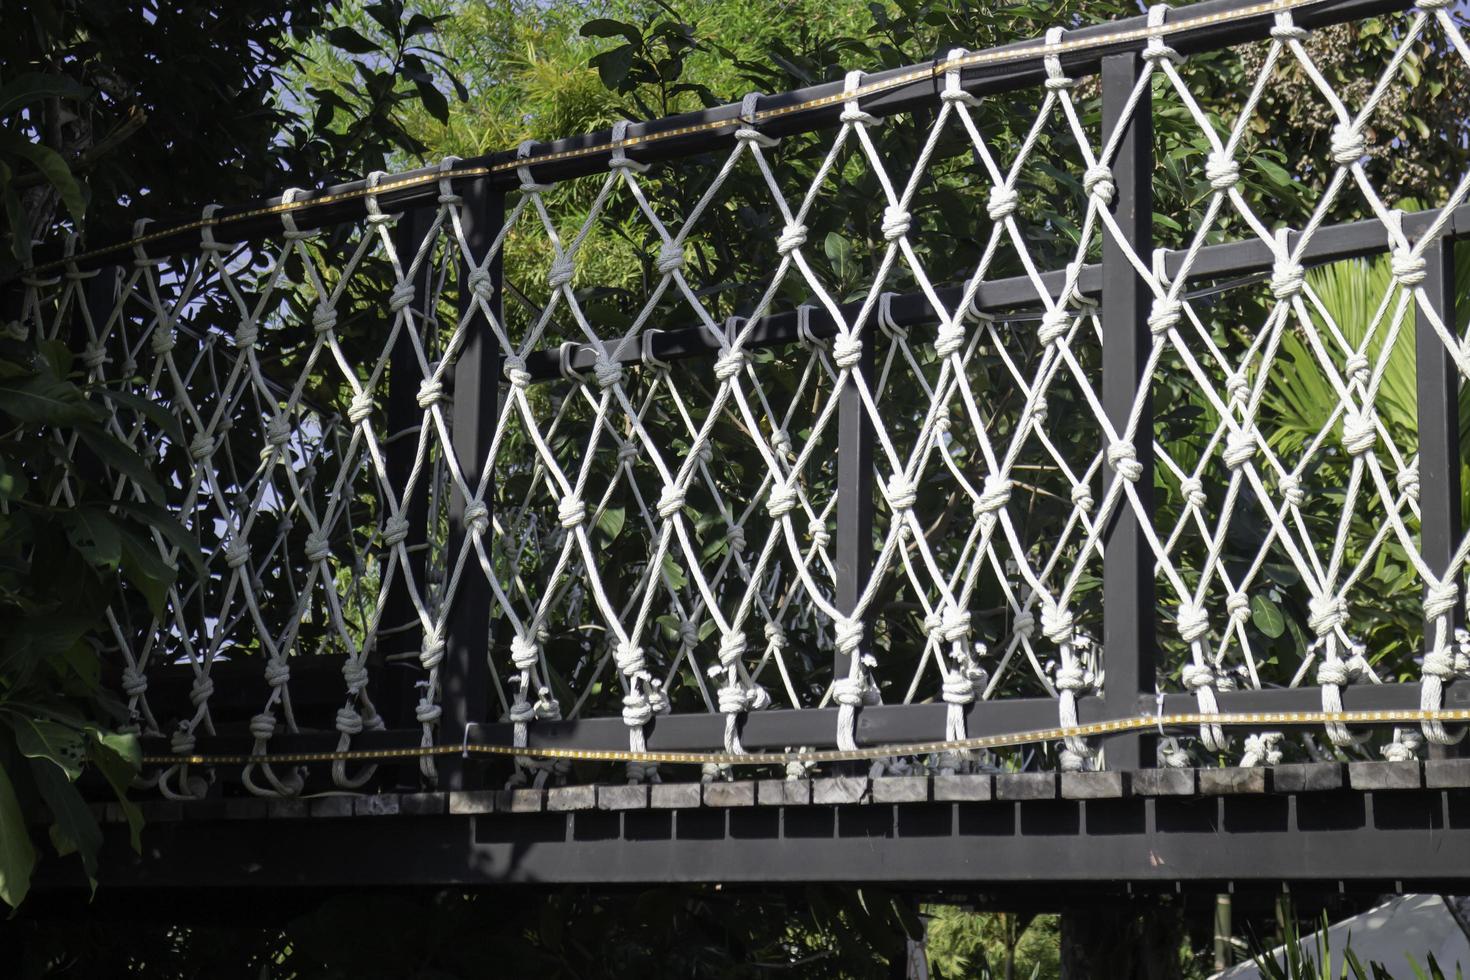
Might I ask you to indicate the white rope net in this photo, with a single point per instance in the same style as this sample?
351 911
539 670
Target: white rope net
660 536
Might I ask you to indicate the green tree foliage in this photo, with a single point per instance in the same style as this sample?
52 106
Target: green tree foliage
112 111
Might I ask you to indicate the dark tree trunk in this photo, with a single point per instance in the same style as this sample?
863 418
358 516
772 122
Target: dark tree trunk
1138 940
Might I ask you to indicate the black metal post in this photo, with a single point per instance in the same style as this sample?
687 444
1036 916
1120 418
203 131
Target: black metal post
1129 643
853 557
464 674
405 419
1439 431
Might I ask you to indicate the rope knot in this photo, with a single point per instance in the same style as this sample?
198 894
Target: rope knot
1291 490
1125 461
901 492
958 689
525 652
1287 278
735 537
732 648
1056 622
246 334
1348 144
1441 599
355 674
688 633
1221 171
201 690
1262 748
1409 268
318 546
637 712
1285 29
1197 676
1239 607
607 372
782 499
1326 613
670 258
1356 368
400 297
848 635
849 692
134 683
560 272
1003 201
1055 323
1359 431
430 392
729 364
775 635
1193 623
847 350
951 338
1332 673
1097 181
670 501
1193 491
629 657
954 624
732 699
94 356
360 408
1157 51
1164 315
349 722
1441 664
781 442
477 517
238 553
896 222
263 725
481 283
816 528
201 446
278 431
1024 624
995 494
395 530
792 237
1082 497
431 652
571 511
514 369
1071 677
323 318
182 742
1240 448
277 673
162 341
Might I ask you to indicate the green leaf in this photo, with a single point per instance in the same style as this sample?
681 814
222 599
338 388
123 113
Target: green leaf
839 253
95 535
119 758
17 856
163 520
434 101
350 40
31 87
51 741
610 522
52 167
122 458
155 411
74 828
606 27
1266 616
44 400
145 568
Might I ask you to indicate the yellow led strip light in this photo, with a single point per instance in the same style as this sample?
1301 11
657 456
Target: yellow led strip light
935 70
1256 719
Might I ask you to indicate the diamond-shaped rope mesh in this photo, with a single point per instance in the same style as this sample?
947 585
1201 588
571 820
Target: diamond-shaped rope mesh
658 535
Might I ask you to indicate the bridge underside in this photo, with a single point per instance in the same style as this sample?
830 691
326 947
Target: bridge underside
1363 827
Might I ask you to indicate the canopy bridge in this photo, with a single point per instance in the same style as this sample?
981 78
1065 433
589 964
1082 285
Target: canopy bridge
883 419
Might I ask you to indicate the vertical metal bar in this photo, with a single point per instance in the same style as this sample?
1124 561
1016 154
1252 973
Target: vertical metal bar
853 556
405 418
1439 431
1129 643
464 675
